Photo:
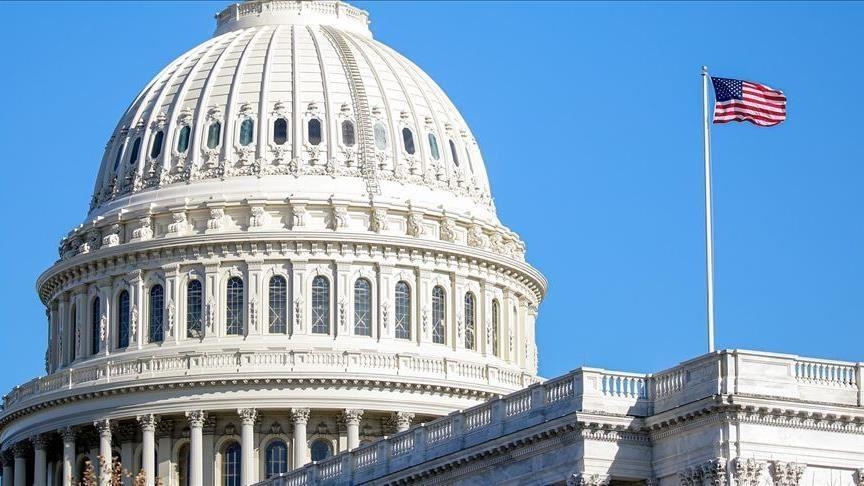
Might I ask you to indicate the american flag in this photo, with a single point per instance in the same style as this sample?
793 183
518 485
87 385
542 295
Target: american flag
739 100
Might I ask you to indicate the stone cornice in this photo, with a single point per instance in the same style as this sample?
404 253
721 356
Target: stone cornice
280 244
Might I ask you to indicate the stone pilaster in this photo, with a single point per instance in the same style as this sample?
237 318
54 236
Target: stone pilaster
21 451
68 434
247 443
103 427
148 447
196 421
40 459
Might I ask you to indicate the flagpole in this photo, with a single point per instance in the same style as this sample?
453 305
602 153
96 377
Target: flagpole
709 230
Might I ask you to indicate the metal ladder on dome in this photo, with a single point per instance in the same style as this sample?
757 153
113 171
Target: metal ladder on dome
365 140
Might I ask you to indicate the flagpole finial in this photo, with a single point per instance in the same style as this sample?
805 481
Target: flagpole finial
704 70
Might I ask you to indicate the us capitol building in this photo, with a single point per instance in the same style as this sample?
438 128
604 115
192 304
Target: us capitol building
292 257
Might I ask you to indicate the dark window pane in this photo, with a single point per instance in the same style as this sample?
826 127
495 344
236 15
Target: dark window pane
234 306
408 140
231 465
280 131
95 325
320 305
314 131
348 133
277 459
183 139
136 149
453 153
362 307
123 319
278 305
247 129
320 450
119 156
433 146
194 309
496 318
156 149
73 327
470 320
439 333
157 310
403 311
214 135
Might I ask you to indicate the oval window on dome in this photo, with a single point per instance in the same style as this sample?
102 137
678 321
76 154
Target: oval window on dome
280 131
118 157
453 153
314 126
156 149
408 140
136 149
433 146
214 135
183 139
348 133
247 130
380 136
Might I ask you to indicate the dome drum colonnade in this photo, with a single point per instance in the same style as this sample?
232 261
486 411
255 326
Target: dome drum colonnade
290 216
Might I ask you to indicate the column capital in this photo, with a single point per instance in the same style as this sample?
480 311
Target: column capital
300 415
68 434
352 416
40 441
859 477
148 422
21 449
7 457
247 415
403 419
196 418
583 479
104 427
786 473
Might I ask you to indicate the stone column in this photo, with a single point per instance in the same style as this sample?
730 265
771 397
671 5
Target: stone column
68 435
352 423
103 465
403 420
247 444
301 417
8 472
40 460
148 447
196 459
20 449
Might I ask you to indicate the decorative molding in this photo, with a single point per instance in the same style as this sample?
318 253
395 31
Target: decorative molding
786 473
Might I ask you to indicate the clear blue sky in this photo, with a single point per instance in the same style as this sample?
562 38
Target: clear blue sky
588 115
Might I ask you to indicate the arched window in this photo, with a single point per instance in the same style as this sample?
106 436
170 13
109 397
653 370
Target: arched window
439 333
183 138
403 311
231 465
280 131
362 307
278 299
123 319
470 321
194 309
277 459
156 148
214 134
234 306
183 465
453 153
348 133
320 450
157 311
320 305
380 136
314 126
95 325
433 146
73 330
408 140
136 149
496 319
247 130
119 156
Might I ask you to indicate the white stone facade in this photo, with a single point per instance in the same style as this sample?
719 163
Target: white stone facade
738 418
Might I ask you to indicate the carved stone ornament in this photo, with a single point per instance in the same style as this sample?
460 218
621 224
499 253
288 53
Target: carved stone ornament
343 314
253 313
196 418
300 415
247 415
339 217
144 231
211 315
786 473
169 321
748 471
180 225
352 416
378 220
148 422
298 216
298 313
414 224
385 314
859 477
217 218
403 419
112 238
103 328
133 324
476 238
447 229
583 479
259 217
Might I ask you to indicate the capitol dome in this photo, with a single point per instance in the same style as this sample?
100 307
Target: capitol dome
291 249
